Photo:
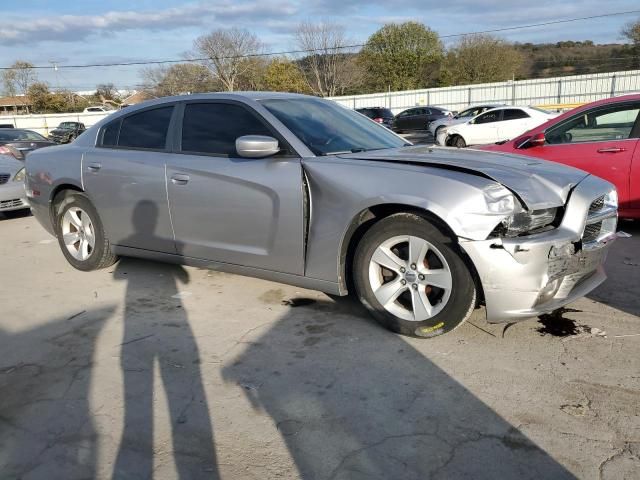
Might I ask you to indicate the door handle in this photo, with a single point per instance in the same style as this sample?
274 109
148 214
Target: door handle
612 150
179 179
94 167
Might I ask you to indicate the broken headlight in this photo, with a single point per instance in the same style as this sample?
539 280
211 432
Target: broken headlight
526 222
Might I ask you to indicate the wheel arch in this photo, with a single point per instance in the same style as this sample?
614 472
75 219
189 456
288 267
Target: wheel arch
55 193
367 217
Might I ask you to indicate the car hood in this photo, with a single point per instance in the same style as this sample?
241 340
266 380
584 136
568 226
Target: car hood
537 183
8 164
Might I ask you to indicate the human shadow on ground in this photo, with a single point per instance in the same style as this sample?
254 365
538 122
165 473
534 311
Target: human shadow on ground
157 331
46 423
354 401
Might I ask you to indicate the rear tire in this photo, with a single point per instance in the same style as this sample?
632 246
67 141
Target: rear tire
425 285
81 235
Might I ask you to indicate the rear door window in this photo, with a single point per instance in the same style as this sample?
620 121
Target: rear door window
146 130
488 117
514 114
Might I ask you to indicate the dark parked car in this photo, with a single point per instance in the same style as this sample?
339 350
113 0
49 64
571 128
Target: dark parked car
380 115
66 132
418 118
18 142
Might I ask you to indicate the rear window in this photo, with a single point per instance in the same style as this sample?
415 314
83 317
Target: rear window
514 114
376 112
144 130
12 135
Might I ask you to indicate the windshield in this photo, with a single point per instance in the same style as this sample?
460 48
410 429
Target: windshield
67 125
326 128
11 135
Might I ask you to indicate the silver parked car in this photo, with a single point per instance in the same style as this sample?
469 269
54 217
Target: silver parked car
300 190
12 194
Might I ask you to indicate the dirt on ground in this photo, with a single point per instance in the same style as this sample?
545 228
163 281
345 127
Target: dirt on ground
146 370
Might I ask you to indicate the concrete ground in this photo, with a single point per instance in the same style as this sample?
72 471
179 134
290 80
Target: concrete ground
146 370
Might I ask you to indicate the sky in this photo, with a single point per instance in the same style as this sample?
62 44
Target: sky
89 31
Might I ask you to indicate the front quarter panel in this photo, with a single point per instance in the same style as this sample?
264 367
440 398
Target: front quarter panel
342 189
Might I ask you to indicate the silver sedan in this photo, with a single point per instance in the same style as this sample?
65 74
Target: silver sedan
12 195
300 190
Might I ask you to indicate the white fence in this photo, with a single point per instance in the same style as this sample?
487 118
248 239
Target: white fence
547 91
43 124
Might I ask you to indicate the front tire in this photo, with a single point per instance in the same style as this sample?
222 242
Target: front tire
411 277
458 142
81 235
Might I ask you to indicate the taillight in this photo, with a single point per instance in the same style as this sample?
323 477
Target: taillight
378 120
8 150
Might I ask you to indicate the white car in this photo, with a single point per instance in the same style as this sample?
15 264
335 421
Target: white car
98 108
498 124
463 116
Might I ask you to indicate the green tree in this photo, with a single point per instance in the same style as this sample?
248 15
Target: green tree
401 56
45 101
281 75
39 94
481 59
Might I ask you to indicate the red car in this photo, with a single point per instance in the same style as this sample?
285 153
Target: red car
601 138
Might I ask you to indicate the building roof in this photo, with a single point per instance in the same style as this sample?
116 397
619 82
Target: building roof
14 101
137 97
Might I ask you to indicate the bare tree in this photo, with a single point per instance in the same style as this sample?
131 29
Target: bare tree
327 64
632 32
18 78
106 91
179 79
228 54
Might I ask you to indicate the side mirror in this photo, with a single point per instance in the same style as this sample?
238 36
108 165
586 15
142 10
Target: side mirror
537 140
256 146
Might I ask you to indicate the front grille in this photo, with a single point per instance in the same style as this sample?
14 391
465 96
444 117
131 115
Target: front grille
4 178
592 232
16 202
597 205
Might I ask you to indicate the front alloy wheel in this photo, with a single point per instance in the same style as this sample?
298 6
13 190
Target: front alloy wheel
412 277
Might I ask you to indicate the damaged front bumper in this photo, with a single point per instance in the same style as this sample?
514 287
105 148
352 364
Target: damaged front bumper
527 276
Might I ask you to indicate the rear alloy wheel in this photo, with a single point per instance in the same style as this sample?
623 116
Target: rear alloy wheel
411 277
80 234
